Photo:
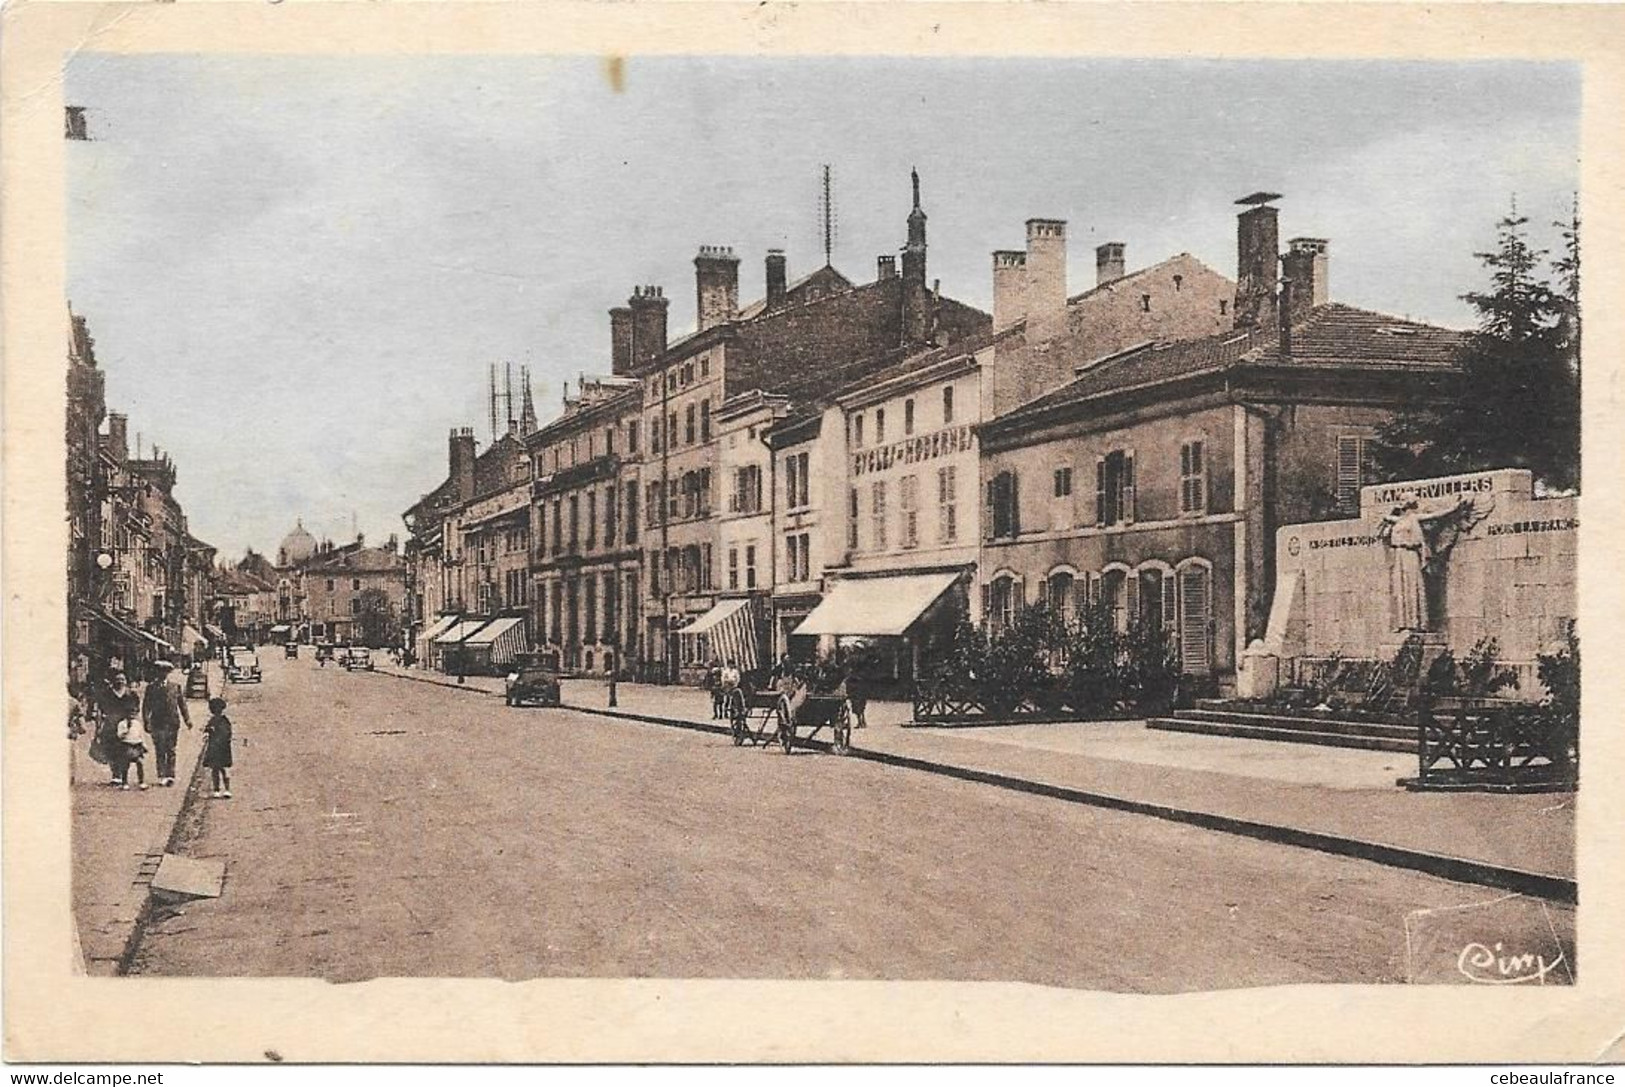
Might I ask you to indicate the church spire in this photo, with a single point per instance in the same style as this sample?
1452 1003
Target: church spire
527 410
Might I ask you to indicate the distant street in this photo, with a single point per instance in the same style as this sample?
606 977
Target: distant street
384 827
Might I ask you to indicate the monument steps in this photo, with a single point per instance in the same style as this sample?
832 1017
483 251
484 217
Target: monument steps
1322 732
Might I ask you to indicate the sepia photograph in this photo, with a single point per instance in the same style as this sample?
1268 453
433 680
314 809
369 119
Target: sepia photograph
1097 524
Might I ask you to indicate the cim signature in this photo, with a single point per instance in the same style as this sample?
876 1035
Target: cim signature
1488 966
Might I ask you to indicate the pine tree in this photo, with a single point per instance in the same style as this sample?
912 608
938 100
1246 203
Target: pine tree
1517 404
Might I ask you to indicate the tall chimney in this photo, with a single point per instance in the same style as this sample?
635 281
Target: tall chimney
648 306
716 283
620 340
461 462
1257 261
1108 263
1009 287
118 436
776 278
886 266
1046 275
1305 265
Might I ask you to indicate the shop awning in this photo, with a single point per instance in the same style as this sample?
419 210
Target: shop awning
281 628
731 627
214 632
505 636
876 606
156 641
120 628
456 633
441 625
190 636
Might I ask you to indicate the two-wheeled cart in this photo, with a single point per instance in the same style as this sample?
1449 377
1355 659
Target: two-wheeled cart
788 717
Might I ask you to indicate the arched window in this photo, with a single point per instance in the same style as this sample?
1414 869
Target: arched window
1003 602
1114 595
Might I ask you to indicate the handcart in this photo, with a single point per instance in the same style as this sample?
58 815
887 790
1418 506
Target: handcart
789 716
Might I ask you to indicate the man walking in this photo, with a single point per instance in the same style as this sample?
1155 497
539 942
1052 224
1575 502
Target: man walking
163 710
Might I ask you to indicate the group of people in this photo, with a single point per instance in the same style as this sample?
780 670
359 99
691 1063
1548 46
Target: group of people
128 724
721 679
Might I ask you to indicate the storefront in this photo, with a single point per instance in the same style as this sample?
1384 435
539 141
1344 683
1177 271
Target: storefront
887 627
731 632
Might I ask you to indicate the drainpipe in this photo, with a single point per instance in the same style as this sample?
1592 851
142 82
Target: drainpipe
765 437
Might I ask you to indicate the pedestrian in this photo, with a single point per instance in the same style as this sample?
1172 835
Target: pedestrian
217 748
115 703
857 696
131 745
163 710
713 682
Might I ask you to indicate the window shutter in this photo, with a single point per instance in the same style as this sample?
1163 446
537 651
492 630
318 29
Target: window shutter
987 602
1100 492
1128 487
1348 472
1043 592
1132 596
1015 505
989 506
1170 602
1194 648
1018 597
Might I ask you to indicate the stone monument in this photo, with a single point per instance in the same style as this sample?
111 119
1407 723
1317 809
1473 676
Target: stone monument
1448 560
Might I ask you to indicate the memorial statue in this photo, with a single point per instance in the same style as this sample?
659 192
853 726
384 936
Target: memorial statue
1405 529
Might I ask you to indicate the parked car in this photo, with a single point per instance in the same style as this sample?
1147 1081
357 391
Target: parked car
358 658
243 665
291 651
324 652
534 681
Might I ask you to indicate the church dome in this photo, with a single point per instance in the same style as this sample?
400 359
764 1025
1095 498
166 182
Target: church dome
297 546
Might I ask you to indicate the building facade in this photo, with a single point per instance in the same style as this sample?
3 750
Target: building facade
1153 482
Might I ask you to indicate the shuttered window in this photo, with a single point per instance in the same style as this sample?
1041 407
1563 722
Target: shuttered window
947 521
1354 470
1004 506
1195 619
1114 488
909 500
1192 478
877 510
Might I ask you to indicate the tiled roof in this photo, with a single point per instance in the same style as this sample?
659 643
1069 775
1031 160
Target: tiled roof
360 560
1122 281
1334 336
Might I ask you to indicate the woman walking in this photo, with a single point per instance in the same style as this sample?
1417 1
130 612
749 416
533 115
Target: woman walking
118 704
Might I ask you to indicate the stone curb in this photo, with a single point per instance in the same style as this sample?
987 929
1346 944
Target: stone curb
436 682
1456 869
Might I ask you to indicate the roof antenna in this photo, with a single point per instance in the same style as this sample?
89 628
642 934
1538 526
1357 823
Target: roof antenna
493 401
826 212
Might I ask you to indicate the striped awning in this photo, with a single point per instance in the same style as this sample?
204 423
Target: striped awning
505 636
731 627
458 632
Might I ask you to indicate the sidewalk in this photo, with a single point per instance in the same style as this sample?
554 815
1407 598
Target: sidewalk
117 837
1297 790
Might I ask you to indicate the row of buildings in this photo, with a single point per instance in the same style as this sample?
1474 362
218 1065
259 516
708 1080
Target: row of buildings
139 582
844 464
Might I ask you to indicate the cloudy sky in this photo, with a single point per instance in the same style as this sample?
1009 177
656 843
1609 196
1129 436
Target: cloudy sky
298 270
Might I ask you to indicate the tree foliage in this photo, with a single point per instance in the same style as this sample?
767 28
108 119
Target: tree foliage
376 622
1518 403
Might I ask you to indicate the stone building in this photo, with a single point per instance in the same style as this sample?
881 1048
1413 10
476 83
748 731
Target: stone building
1155 479
816 335
892 510
585 511
335 583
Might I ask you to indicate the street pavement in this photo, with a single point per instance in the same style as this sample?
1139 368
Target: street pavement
390 828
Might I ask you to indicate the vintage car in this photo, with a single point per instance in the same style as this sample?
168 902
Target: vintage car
242 665
357 658
291 651
324 652
534 681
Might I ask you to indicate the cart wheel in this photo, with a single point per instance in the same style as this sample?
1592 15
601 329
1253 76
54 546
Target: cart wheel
736 725
841 744
787 728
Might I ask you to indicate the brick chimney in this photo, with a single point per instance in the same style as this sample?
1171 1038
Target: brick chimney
461 462
776 278
1257 261
620 340
1109 264
886 266
118 436
716 284
1305 266
1009 287
1046 275
649 306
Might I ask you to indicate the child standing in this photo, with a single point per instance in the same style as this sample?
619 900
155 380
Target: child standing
132 737
217 748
